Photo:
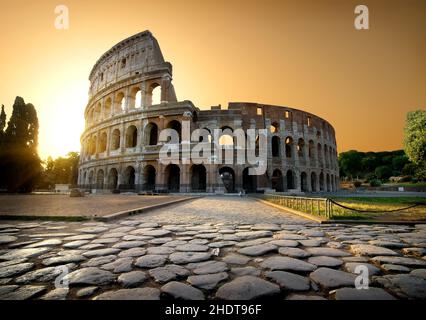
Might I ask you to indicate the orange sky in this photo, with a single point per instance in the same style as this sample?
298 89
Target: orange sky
304 54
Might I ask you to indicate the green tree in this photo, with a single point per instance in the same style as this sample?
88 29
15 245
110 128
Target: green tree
19 158
61 170
383 172
415 140
350 163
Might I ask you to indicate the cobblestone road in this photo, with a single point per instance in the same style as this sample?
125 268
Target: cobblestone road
210 248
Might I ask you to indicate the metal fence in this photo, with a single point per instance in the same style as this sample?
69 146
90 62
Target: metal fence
330 209
321 207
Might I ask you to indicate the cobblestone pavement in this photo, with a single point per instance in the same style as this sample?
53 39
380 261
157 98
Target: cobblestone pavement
210 248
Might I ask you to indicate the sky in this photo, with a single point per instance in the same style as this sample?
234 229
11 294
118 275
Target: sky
302 54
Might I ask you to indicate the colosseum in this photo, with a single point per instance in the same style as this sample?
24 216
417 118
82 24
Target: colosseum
132 99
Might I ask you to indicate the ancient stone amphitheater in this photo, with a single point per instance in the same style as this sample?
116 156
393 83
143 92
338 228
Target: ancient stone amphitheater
131 99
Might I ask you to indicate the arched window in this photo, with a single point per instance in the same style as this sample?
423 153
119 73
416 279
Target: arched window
103 142
120 102
274 128
198 178
173 177
131 137
313 181
115 139
288 147
276 146
277 180
175 125
153 95
311 151
290 179
136 98
97 113
301 148
149 173
151 134
304 182
100 179
112 179
226 138
129 178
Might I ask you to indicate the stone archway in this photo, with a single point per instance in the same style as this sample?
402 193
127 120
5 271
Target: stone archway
227 175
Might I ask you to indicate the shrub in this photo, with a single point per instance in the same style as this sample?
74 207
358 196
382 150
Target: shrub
375 183
357 184
406 179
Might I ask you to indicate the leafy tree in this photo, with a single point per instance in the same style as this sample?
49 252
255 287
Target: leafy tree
415 140
2 121
399 162
19 160
383 172
350 163
61 170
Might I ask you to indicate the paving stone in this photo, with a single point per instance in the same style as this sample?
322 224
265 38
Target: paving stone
312 233
284 243
7 239
81 237
247 235
24 293
289 236
7 289
330 252
246 271
310 243
88 291
352 266
266 226
324 261
119 265
294 252
253 242
289 281
113 235
40 275
192 247
238 259
174 243
24 253
101 252
222 244
330 278
188 257
151 261
106 240
56 294
387 244
207 281
247 288
199 241
419 273
92 229
412 262
182 291
15 269
370 250
12 262
90 275
63 259
45 243
92 246
75 244
157 233
362 294
404 285
355 259
162 240
131 237
131 279
395 268
133 252
210 267
160 250
335 245
149 225
258 250
168 273
131 294
286 263
419 252
98 261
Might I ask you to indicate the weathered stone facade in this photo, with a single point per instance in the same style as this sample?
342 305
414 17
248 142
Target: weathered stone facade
120 145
